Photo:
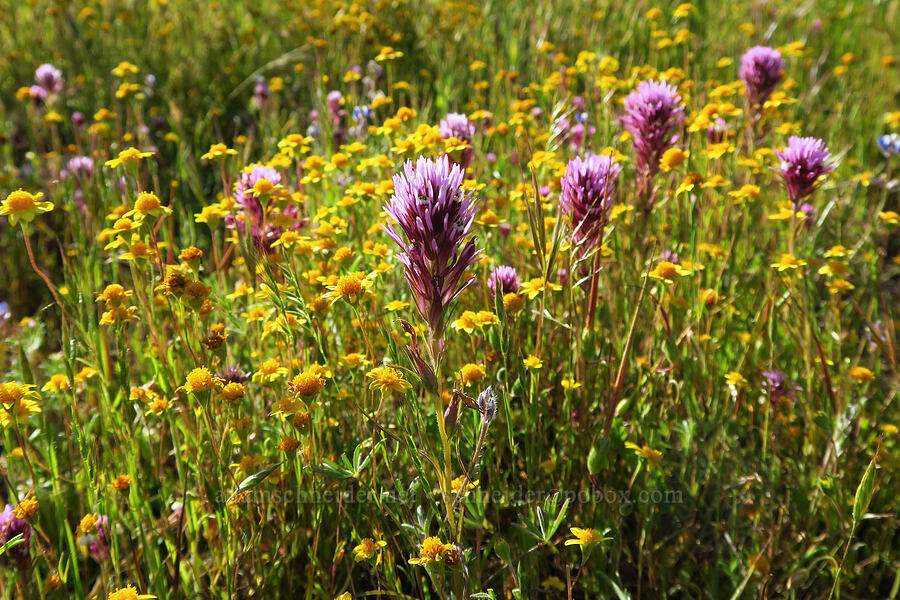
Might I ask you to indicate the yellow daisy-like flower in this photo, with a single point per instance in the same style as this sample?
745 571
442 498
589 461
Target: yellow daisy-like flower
533 362
892 118
348 287
13 391
470 373
889 217
585 537
388 53
747 192
465 322
232 391
736 380
788 261
368 548
512 302
668 272
269 370
569 383
87 524
201 379
458 483
114 295
129 593
128 158
307 383
24 206
653 457
395 305
672 158
58 383
387 379
125 68
431 550
354 359
785 212
211 214
861 374
264 187
535 286
19 399
26 508
148 204
122 482
219 151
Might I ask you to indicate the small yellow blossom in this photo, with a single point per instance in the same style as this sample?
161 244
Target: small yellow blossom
736 380
533 362
431 550
128 158
218 151
23 206
788 261
201 379
667 271
535 286
861 374
585 537
368 548
129 593
387 379
57 383
653 457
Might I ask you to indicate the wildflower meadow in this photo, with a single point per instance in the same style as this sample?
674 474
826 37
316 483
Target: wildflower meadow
463 299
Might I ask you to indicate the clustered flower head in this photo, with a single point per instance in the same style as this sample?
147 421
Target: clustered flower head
588 190
433 550
10 527
456 125
49 78
762 69
252 212
23 206
803 163
504 278
778 385
653 113
434 216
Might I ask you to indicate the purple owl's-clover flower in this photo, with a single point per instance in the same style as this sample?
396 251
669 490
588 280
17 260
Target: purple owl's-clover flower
778 386
10 527
503 278
100 545
50 78
251 209
762 69
457 125
588 191
653 114
803 163
232 374
434 215
261 92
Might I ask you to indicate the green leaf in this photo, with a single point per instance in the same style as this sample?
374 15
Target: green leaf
864 492
331 469
12 543
254 480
